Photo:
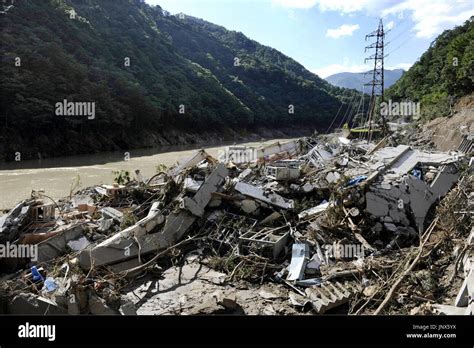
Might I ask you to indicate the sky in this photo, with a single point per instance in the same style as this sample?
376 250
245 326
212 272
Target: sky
328 36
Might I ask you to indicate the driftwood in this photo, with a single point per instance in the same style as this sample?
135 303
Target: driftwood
346 273
394 287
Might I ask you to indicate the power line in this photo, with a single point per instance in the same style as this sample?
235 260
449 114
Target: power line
334 119
396 48
400 34
349 109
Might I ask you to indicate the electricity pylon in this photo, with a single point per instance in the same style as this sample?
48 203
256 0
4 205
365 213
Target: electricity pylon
377 82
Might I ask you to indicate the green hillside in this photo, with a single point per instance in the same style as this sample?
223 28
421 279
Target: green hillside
444 73
78 50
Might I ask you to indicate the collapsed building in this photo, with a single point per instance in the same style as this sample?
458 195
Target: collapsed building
305 226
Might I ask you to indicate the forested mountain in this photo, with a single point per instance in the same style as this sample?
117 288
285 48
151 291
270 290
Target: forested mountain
444 73
149 74
357 80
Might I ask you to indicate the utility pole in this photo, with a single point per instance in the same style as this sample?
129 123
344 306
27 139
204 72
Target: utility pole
377 82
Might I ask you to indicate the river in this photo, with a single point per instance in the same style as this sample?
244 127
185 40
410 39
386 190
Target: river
56 175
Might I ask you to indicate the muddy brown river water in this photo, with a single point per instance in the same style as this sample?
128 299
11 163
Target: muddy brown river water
56 175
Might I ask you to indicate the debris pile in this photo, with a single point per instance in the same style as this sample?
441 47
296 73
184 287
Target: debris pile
317 225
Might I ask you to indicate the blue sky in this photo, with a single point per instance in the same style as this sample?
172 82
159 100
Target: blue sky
328 36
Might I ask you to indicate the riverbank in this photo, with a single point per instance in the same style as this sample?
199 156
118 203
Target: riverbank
13 147
57 176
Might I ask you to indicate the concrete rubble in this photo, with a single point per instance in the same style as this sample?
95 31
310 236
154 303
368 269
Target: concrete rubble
316 225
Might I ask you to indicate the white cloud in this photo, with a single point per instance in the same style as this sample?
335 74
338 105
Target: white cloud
345 6
390 25
348 6
343 30
295 3
431 17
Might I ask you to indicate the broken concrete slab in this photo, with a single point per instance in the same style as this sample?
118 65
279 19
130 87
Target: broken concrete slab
111 213
244 174
125 266
388 156
422 196
261 195
127 307
179 291
78 244
411 158
203 196
290 147
58 244
410 196
195 159
449 310
329 295
121 246
138 239
466 292
312 212
127 244
15 220
30 304
98 306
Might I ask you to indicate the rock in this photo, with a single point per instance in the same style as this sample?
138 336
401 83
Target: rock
370 290
308 187
249 206
98 306
332 177
390 227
